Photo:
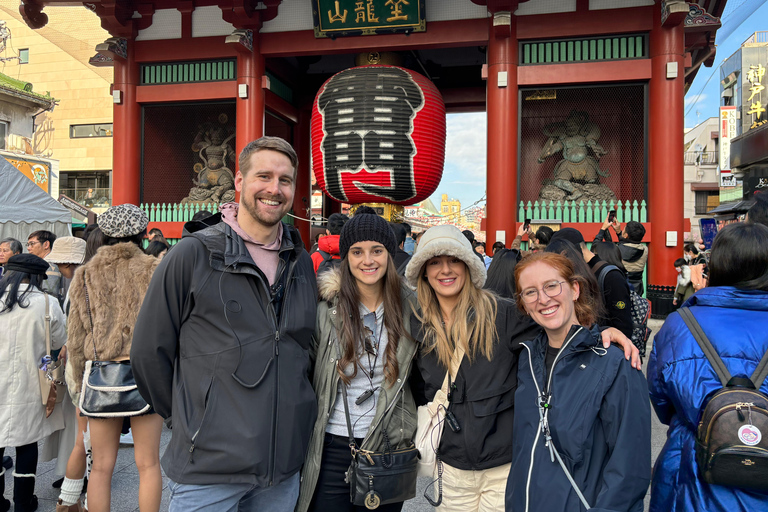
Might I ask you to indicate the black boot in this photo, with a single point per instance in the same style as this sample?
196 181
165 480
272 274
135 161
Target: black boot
5 505
24 499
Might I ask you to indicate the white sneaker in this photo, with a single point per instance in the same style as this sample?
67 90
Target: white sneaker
126 438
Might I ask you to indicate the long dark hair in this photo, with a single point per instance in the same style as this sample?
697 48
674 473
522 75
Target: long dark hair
352 326
740 257
501 273
12 281
609 252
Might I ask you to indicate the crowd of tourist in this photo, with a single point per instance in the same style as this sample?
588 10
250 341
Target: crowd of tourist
328 381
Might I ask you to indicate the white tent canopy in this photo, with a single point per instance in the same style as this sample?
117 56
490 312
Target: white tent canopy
25 207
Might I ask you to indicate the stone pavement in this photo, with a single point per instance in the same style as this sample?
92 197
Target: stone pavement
125 482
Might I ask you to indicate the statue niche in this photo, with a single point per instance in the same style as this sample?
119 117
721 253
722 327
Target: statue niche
577 174
214 182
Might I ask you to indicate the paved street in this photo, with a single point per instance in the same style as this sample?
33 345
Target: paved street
125 483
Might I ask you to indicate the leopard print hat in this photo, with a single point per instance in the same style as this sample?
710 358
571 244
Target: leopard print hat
123 221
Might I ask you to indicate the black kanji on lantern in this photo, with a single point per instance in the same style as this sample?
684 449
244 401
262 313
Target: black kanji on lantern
367 124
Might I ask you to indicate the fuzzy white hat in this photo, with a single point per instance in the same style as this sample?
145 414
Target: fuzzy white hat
445 240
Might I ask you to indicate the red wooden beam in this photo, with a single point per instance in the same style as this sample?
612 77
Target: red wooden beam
441 34
186 92
586 72
194 48
585 23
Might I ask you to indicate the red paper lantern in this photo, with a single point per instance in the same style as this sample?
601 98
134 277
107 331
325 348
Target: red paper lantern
378 136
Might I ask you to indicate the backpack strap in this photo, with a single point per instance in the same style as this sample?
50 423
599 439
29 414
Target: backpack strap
761 372
706 346
602 269
326 255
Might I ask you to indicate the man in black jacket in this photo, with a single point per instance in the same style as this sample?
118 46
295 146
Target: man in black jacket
615 289
221 346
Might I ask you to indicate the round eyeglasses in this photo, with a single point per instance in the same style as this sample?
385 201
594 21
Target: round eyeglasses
551 289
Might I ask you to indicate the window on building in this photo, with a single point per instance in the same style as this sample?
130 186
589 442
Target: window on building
706 200
3 133
78 131
24 56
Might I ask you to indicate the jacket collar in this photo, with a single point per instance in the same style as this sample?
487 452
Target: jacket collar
731 298
228 249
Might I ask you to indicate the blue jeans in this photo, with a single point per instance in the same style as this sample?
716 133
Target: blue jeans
234 497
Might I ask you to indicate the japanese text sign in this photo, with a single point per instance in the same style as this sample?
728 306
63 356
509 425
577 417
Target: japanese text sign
728 126
334 18
756 105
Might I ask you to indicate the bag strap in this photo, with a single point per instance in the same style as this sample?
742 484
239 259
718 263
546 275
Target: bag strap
47 325
706 346
761 372
603 268
90 318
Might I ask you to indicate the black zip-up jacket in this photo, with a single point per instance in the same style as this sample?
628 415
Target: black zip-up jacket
483 399
618 304
209 353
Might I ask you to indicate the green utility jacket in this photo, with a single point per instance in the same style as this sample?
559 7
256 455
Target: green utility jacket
395 410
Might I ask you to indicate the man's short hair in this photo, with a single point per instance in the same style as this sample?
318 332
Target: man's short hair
635 231
758 214
400 233
270 143
43 236
335 222
407 228
469 235
679 262
156 231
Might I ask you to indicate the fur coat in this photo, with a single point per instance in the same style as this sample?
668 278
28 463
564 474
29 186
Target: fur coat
117 279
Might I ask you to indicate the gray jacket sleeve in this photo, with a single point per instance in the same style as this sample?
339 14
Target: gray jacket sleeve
155 345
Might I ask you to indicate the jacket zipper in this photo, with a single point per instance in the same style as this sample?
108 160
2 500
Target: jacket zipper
202 421
391 404
276 395
542 415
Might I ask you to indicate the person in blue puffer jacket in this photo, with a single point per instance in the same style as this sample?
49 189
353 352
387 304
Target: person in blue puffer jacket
733 312
582 427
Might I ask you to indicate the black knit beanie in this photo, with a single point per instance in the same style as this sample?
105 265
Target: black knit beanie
366 228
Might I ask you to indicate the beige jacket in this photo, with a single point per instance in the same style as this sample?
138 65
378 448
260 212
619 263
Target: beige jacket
117 279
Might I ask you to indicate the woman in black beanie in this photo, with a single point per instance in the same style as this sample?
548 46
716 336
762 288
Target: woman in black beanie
362 344
23 308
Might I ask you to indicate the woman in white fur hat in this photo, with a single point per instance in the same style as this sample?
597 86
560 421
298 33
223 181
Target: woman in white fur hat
457 319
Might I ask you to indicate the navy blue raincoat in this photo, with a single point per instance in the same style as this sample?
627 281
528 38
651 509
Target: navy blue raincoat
599 419
680 379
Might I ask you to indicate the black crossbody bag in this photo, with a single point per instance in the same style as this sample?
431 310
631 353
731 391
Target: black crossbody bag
379 478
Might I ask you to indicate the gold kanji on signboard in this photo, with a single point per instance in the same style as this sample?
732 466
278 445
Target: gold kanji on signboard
396 9
338 16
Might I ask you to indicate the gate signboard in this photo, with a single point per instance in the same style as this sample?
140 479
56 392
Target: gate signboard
334 18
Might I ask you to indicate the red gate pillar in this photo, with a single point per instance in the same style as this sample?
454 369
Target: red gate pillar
126 140
665 165
501 111
302 199
249 106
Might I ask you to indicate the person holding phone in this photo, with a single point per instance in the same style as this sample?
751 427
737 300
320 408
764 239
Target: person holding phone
634 253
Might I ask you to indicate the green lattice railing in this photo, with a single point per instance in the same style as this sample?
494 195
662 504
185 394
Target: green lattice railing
174 212
583 49
571 212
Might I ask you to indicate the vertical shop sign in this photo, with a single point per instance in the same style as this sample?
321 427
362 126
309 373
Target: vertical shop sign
756 105
728 125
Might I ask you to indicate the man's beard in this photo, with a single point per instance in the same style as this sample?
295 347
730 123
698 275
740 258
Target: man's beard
252 206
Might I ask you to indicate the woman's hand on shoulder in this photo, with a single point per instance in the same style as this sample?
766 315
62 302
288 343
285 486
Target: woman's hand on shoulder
631 353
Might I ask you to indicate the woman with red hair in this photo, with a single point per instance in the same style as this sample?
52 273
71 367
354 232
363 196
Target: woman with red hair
582 422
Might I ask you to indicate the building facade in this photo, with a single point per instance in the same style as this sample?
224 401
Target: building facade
702 186
78 130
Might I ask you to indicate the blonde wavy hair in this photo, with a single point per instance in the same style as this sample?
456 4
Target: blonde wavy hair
478 332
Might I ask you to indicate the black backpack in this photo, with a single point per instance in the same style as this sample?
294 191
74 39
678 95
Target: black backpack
638 306
732 434
329 262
